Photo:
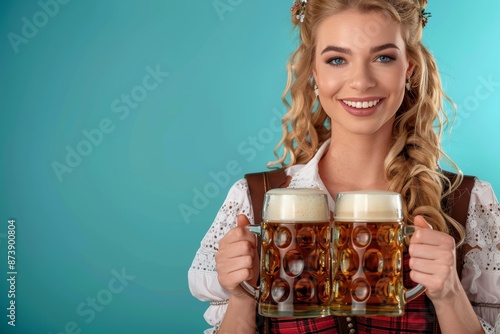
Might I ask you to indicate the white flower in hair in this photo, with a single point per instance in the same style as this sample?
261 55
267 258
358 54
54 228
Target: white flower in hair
299 9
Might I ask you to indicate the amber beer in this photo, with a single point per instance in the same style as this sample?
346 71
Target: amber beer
295 273
368 247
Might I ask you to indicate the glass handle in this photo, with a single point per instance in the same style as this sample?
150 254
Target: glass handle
255 229
416 291
250 290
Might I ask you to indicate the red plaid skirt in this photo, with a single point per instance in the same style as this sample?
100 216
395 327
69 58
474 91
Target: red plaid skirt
419 317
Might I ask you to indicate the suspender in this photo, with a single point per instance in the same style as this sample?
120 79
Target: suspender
259 184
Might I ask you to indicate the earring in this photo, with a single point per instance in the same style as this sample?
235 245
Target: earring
316 90
407 85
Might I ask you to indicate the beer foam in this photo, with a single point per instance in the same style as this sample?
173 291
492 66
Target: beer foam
296 204
371 205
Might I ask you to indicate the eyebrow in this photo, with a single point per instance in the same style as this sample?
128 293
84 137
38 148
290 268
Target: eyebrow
349 52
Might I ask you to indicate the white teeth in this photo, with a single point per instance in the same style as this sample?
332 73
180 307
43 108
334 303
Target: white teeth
361 105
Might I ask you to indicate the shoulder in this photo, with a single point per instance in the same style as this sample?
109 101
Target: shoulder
239 190
483 221
483 206
482 192
237 201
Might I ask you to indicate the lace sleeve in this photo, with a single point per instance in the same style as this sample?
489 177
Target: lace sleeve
202 275
481 272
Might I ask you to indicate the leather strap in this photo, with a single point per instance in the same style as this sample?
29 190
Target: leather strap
457 206
259 184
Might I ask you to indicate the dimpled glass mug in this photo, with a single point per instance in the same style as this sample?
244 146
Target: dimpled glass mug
295 266
368 250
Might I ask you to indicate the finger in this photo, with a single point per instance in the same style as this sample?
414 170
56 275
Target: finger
430 237
419 225
445 254
233 279
231 264
236 259
419 221
425 234
422 261
431 282
238 233
242 220
237 249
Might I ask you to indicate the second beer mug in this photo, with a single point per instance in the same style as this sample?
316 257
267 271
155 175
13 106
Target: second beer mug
368 248
295 270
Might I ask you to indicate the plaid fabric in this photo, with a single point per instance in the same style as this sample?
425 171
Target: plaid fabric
295 326
418 318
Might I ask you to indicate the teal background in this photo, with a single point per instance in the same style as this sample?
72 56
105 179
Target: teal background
119 209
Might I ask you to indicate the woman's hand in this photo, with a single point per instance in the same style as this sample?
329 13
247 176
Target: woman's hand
432 262
237 258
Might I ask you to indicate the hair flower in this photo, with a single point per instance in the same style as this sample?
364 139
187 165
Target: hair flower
425 17
299 9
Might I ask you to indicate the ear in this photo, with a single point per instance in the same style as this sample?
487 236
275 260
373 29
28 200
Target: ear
314 71
409 70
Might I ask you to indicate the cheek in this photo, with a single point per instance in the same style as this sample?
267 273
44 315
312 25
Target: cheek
399 78
327 78
329 84
393 83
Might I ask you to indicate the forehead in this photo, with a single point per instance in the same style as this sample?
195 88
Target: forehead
359 30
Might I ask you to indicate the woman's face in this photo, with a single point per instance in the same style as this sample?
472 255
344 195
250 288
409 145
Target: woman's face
360 69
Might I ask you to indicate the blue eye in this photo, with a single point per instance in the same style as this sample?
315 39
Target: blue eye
385 59
336 61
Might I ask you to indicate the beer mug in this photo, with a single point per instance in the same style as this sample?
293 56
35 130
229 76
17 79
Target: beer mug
368 251
295 265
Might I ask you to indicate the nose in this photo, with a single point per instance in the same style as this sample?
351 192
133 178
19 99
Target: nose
361 78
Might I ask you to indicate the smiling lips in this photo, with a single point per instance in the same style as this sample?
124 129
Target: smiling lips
361 104
361 107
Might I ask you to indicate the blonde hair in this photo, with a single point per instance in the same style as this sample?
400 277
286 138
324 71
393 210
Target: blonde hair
412 164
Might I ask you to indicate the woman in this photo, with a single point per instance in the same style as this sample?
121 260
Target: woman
365 96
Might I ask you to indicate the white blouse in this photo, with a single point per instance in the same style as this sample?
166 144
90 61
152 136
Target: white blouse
480 275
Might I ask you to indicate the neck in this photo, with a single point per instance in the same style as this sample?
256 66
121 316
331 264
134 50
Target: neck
355 162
